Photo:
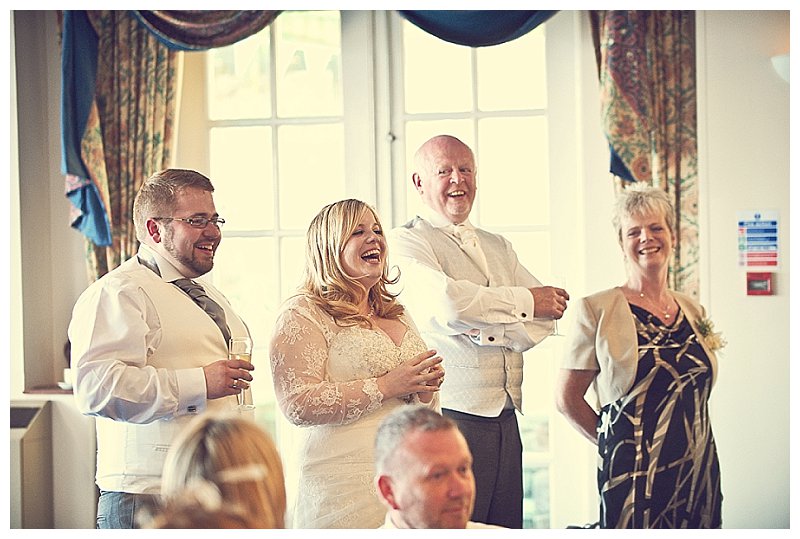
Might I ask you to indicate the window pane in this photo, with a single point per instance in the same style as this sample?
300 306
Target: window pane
293 260
512 75
513 177
238 79
311 169
535 431
241 169
437 74
241 268
308 49
536 505
533 251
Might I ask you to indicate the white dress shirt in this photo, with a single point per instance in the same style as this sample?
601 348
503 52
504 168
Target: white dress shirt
389 525
492 315
138 346
479 321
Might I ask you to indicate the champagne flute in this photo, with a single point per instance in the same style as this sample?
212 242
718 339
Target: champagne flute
242 348
557 282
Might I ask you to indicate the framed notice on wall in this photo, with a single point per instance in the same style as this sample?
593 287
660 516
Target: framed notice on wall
758 239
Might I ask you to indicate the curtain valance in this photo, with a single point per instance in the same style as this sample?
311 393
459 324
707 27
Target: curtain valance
201 30
477 28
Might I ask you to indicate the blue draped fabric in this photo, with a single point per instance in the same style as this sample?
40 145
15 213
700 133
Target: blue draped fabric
477 28
195 30
618 167
78 77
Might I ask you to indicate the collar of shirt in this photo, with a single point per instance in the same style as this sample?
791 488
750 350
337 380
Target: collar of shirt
441 222
168 272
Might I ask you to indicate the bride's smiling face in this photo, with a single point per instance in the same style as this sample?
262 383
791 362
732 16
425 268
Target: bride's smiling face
364 253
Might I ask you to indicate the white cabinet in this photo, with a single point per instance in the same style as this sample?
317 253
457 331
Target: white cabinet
31 471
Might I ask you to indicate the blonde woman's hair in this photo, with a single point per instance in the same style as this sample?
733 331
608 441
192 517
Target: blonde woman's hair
325 281
640 199
198 506
237 457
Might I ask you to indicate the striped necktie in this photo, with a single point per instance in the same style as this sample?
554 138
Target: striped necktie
211 307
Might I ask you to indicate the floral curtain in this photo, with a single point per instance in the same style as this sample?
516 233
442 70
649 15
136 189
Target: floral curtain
646 65
120 71
128 133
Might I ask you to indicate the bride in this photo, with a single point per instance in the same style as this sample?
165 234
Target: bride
344 354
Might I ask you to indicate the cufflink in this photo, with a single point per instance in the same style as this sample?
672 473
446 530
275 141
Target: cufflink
192 409
491 339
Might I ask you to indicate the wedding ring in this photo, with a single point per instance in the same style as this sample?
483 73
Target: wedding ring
235 384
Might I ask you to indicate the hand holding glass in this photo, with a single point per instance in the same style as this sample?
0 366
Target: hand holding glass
557 282
242 348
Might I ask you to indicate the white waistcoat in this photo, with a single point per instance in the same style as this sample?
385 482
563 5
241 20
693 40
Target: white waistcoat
478 378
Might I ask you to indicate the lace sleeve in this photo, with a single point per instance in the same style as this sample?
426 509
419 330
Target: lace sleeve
305 394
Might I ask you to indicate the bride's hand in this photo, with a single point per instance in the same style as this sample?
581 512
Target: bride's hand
433 385
418 374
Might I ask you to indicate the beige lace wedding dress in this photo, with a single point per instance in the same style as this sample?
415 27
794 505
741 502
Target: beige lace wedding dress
325 380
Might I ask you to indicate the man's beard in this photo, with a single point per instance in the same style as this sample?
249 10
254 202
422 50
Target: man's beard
198 267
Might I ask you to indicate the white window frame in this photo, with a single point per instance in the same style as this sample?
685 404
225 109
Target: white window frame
375 172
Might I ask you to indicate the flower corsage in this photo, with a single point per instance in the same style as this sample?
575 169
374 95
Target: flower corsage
713 339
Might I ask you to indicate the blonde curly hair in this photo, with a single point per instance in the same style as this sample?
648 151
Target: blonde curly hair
325 281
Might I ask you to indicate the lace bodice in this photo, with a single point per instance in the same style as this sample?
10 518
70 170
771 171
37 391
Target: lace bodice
326 374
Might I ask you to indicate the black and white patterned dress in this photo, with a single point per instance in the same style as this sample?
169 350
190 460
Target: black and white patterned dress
659 465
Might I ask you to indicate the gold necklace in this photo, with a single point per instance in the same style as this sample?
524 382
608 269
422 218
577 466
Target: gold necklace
664 309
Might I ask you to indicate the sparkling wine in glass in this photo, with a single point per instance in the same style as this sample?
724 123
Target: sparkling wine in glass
558 282
242 348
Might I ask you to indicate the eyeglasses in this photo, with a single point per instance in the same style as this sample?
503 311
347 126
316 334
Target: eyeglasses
196 222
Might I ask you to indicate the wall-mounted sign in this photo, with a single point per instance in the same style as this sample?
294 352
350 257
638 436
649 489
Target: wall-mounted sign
758 239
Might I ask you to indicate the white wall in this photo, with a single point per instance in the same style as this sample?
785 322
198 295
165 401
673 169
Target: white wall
47 272
591 260
744 156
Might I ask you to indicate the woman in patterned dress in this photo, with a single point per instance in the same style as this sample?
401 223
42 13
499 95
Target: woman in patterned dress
344 354
648 354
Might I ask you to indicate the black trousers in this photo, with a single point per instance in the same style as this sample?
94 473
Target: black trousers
497 466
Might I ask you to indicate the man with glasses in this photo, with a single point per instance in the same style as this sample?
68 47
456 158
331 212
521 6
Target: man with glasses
149 343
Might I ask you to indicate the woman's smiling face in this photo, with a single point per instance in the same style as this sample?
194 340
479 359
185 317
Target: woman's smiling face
364 253
647 241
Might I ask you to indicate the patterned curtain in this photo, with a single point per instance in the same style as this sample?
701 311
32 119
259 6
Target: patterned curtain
129 131
120 72
646 65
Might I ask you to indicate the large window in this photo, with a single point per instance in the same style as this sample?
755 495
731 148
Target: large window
495 100
275 144
326 105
